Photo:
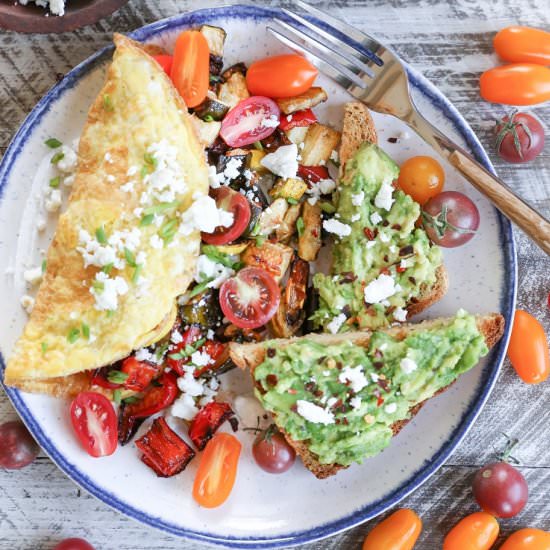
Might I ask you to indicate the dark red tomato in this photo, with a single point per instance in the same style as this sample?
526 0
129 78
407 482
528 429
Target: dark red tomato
234 202
245 123
500 489
313 174
95 423
250 298
284 75
450 219
519 137
165 61
99 378
272 453
17 447
140 373
189 337
297 119
74 544
157 397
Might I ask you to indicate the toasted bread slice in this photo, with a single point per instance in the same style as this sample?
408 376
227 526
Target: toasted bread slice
249 356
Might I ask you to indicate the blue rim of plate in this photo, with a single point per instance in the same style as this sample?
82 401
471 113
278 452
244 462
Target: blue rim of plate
491 372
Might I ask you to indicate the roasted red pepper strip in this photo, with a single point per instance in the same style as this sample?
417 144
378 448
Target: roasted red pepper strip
313 174
207 421
163 450
165 61
140 373
99 378
189 337
218 352
299 118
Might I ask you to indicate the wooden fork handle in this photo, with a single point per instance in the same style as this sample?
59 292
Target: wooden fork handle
514 208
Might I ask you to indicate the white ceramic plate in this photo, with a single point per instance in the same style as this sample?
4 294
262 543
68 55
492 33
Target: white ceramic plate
264 510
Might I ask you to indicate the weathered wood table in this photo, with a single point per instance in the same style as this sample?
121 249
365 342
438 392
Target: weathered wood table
450 42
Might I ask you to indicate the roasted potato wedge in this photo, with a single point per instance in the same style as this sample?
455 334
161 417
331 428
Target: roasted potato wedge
233 90
272 217
207 132
307 100
287 229
320 141
272 257
309 242
297 135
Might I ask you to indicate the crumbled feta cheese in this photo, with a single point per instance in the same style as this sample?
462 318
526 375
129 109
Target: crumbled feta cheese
406 262
128 187
69 180
27 302
156 242
338 228
106 295
313 413
355 376
355 218
132 171
108 157
355 402
283 162
210 334
408 365
370 244
336 323
184 407
271 122
68 163
40 224
204 215
201 359
400 314
374 377
390 408
232 168
53 199
33 276
358 198
380 289
375 218
189 384
384 198
384 237
208 269
176 337
143 354
334 156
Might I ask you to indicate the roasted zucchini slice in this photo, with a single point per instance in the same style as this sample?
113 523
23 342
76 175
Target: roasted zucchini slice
203 309
309 240
215 36
291 188
239 68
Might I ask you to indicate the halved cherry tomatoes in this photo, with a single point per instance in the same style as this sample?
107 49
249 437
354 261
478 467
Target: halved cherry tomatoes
217 470
399 531
95 423
422 178
516 84
528 349
523 45
284 75
527 539
190 67
301 118
249 121
234 202
165 61
250 298
477 531
140 373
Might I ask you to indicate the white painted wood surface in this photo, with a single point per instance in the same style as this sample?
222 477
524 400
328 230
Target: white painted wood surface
450 42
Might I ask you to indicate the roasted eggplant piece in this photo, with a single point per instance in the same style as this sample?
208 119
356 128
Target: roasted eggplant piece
238 68
238 178
211 109
275 140
233 90
207 421
218 147
233 333
310 307
307 100
215 36
320 141
271 257
291 188
290 315
309 241
287 229
202 310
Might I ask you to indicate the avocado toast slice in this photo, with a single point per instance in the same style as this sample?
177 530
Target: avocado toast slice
340 398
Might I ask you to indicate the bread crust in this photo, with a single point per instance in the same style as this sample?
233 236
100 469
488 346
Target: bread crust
249 356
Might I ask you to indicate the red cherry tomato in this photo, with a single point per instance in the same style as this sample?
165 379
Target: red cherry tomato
528 349
313 174
217 470
500 489
165 61
281 76
399 531
95 423
422 178
272 452
527 539
520 137
231 201
477 531
17 447
297 119
140 373
516 84
250 298
523 45
245 123
74 544
190 71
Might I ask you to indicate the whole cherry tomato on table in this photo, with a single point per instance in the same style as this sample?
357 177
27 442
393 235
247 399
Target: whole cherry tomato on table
17 447
400 531
422 178
477 531
516 84
527 539
519 137
74 544
523 45
528 349
284 75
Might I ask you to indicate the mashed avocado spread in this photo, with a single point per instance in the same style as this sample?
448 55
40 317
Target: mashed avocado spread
343 398
385 261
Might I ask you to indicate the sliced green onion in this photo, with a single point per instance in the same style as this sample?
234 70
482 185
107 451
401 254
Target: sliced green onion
107 268
117 377
291 200
137 273
208 118
100 235
130 258
54 182
201 287
44 347
150 159
57 157
327 207
160 208
74 335
147 220
258 145
99 286
44 264
53 143
85 331
300 226
117 396
107 103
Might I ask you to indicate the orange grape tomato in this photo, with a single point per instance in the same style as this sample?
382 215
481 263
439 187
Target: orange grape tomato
477 531
422 178
516 84
523 45
190 67
527 539
284 75
217 470
399 531
528 349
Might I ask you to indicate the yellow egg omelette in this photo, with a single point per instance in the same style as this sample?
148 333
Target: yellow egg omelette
127 244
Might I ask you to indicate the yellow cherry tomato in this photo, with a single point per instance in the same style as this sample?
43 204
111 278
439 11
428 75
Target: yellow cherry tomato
422 178
399 531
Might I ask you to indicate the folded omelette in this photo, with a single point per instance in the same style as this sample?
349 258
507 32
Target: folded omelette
127 244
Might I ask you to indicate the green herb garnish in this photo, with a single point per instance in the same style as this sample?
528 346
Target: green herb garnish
188 350
85 331
160 208
100 235
117 396
107 268
168 230
150 160
147 220
300 226
214 254
117 377
53 143
200 287
144 171
107 103
258 145
57 157
74 335
137 273
260 240
291 200
44 264
161 349
130 399
130 258
44 347
110 313
54 182
208 118
99 286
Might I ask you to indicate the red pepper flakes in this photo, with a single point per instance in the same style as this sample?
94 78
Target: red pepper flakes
400 269
369 234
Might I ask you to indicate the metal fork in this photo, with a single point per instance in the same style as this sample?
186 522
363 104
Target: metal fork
373 74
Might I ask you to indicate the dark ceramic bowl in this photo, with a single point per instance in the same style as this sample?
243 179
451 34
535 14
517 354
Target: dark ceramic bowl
33 19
